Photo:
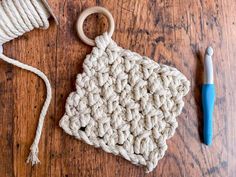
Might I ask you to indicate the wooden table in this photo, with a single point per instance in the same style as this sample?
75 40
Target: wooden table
172 32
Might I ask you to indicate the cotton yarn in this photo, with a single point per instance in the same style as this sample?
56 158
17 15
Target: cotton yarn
20 16
125 103
16 18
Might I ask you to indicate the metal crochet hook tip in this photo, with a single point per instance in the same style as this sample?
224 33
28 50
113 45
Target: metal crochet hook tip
209 51
208 66
208 97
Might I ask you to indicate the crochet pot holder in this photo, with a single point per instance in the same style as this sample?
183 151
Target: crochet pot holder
124 103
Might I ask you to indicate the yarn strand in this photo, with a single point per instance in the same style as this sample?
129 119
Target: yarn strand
16 18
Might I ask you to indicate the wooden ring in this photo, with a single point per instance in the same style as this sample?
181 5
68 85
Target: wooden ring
85 14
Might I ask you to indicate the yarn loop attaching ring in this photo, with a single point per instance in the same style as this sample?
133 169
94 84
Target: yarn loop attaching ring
85 14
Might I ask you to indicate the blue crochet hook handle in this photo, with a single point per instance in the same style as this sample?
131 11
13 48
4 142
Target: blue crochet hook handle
208 97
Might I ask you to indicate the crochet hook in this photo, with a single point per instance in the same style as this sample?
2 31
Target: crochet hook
208 97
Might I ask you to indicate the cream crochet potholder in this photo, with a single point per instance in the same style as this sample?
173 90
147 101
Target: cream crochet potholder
125 103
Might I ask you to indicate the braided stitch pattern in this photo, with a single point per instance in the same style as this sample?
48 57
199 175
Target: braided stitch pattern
125 103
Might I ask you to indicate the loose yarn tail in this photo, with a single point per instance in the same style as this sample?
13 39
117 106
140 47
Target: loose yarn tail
34 147
16 18
33 156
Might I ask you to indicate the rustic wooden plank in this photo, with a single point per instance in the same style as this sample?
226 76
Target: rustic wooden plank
29 93
6 122
227 58
171 32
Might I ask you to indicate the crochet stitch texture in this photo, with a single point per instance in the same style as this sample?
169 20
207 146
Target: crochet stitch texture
125 103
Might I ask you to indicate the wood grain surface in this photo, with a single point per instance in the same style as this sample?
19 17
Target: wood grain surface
172 32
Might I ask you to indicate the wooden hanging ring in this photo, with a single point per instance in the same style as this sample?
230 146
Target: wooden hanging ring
85 14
